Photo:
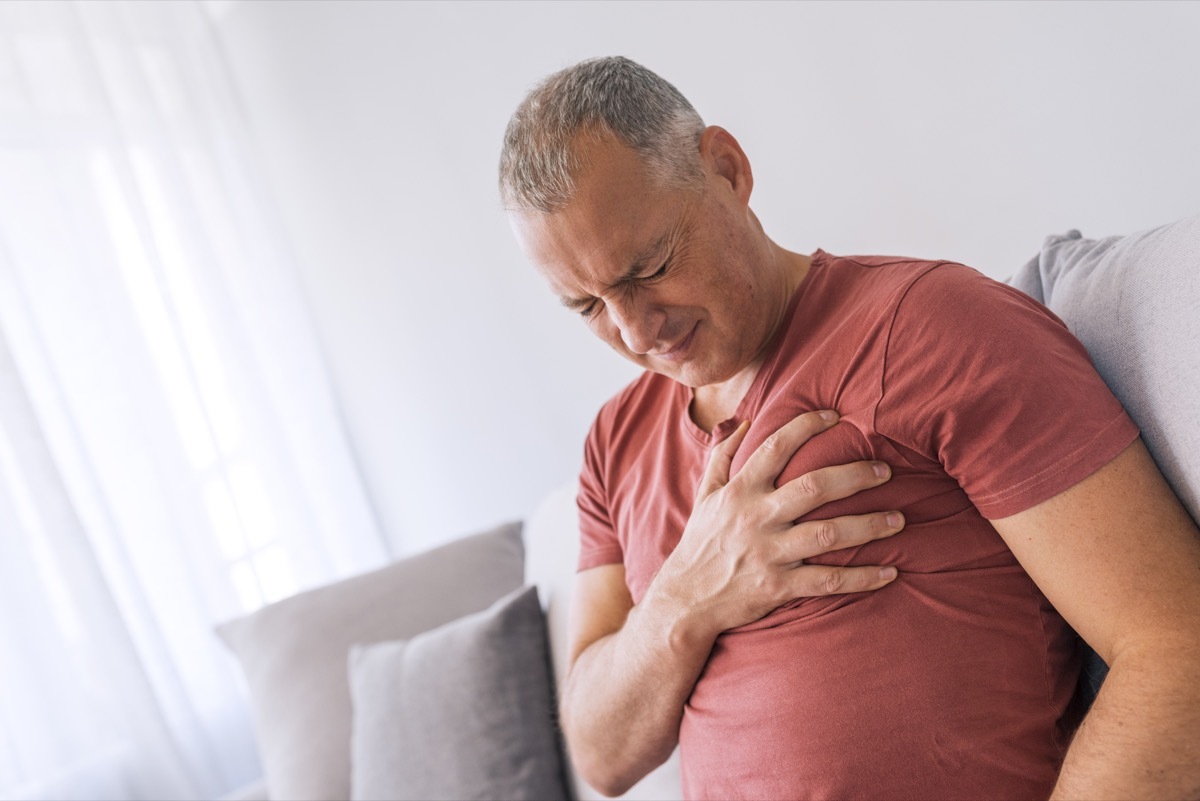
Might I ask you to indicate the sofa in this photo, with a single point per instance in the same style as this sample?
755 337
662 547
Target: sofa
435 677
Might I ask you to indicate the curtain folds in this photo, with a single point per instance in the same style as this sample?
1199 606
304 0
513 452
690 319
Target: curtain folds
171 454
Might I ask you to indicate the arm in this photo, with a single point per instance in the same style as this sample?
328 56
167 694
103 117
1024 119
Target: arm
632 668
1119 558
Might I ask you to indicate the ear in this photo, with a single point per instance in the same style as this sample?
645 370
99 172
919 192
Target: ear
725 160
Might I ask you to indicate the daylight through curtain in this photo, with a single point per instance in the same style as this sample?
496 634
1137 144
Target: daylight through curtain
171 455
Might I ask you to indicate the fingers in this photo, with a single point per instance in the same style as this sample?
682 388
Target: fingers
716 473
818 537
801 495
810 580
768 461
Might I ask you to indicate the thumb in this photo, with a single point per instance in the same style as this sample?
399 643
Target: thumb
720 459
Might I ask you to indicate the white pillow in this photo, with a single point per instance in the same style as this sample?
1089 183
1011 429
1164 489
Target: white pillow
294 652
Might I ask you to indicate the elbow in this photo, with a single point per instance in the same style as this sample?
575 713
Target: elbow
605 780
612 773
611 755
602 771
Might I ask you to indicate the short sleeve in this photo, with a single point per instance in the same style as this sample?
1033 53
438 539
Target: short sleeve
992 385
599 544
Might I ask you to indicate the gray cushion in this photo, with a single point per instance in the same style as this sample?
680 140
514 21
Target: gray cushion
1134 302
294 652
465 711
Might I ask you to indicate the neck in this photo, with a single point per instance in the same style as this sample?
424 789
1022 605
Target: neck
715 403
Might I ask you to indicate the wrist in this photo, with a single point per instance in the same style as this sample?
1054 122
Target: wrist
677 620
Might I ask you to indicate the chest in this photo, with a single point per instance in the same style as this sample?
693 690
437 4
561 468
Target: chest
652 502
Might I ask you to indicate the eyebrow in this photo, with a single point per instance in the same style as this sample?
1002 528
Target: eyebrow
636 266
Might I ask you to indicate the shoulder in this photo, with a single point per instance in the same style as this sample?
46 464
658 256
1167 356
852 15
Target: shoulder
954 300
862 297
623 425
876 269
936 293
879 282
949 280
648 394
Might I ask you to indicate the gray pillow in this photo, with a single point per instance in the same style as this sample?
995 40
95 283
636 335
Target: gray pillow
1134 302
465 711
294 652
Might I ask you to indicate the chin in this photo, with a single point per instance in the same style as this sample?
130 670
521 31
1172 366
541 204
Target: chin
675 372
690 372
693 375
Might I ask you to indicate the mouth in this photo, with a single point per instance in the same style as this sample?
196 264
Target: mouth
680 350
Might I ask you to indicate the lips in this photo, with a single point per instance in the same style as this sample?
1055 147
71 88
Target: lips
680 350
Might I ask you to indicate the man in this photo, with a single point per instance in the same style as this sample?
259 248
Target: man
738 591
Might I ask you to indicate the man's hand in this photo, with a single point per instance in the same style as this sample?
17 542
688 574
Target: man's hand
741 555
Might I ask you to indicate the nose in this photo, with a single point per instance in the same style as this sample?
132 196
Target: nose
639 324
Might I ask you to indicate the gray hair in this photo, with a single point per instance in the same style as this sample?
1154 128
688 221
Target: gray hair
539 161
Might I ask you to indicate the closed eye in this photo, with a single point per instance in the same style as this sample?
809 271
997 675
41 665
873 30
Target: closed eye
586 312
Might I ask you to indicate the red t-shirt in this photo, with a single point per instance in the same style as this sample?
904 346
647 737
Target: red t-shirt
954 680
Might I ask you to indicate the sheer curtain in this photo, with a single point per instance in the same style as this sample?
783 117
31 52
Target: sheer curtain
171 455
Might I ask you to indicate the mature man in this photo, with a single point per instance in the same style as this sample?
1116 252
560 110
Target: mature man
738 590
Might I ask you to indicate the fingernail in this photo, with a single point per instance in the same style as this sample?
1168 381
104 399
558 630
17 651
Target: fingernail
887 573
895 519
829 415
881 469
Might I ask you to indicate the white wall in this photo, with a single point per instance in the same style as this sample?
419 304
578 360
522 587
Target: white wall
953 130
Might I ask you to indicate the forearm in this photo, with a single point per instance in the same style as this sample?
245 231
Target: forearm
1139 739
623 699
